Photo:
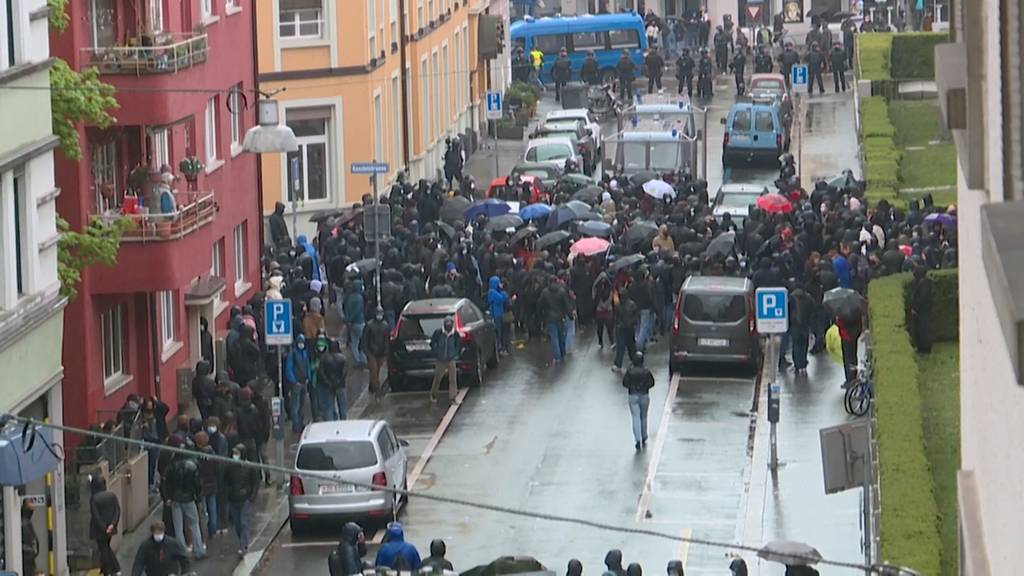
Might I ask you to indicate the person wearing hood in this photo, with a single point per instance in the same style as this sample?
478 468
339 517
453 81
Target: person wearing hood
206 343
203 388
738 567
613 562
297 375
301 240
330 376
181 489
497 300
355 315
159 555
634 569
921 310
574 568
247 357
313 322
674 568
279 228
274 286
396 553
375 343
104 516
437 563
242 485
663 241
638 381
347 558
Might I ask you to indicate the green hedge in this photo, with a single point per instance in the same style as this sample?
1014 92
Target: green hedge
912 55
945 311
910 518
873 51
875 122
881 157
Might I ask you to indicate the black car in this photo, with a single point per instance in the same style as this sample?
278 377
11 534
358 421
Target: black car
411 356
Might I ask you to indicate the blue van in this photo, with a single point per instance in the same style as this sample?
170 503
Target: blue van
754 131
606 34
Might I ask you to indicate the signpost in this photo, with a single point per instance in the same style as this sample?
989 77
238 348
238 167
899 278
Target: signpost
296 185
799 78
278 318
495 109
772 315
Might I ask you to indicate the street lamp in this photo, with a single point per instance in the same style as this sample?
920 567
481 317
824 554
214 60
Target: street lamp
269 135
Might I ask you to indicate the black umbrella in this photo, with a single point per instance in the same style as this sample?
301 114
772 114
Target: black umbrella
551 238
590 195
347 216
722 245
454 208
642 177
639 233
447 228
595 228
625 262
504 222
321 215
581 209
521 235
560 216
510 565
844 303
365 265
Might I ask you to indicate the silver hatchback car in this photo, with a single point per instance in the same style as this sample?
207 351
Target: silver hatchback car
363 451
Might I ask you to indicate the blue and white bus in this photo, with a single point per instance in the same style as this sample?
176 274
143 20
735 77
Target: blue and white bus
607 35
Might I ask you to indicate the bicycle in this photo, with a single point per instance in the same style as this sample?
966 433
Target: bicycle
859 394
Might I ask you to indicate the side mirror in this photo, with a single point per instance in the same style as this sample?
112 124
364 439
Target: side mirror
721 121
403 443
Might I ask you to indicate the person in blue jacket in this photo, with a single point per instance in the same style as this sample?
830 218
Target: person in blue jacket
301 240
298 372
497 299
396 553
355 315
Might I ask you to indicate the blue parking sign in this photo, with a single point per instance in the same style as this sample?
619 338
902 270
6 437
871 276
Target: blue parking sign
278 317
799 78
772 307
494 105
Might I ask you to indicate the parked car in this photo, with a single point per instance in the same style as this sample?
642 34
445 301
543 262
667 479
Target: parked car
754 131
411 356
714 322
553 151
771 87
500 189
581 114
547 173
580 136
735 200
363 451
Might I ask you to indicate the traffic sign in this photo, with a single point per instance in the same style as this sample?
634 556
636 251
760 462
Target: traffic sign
799 78
370 168
278 316
772 310
495 104
754 13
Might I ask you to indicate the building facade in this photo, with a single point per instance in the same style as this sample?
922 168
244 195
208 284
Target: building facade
980 80
362 80
31 308
184 73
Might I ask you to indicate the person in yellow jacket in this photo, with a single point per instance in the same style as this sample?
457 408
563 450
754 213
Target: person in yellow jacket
537 60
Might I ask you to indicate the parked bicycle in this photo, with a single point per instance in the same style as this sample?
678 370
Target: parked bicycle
860 393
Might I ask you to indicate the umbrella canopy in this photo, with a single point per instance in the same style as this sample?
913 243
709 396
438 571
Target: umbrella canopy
659 189
364 265
638 233
454 208
490 208
347 216
447 228
843 181
321 215
948 221
510 565
590 246
844 303
640 178
595 228
722 245
504 222
551 238
789 553
590 194
625 262
522 234
578 208
577 180
535 212
774 204
567 213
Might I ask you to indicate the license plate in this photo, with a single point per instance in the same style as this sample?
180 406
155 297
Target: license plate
336 489
417 346
740 138
712 342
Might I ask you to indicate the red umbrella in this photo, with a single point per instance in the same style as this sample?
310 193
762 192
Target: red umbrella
590 246
774 204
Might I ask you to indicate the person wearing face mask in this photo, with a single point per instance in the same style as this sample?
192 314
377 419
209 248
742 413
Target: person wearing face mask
347 558
444 344
159 555
242 484
220 446
376 338
297 375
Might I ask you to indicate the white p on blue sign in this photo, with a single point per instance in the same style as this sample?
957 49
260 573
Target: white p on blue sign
278 317
799 78
772 306
494 105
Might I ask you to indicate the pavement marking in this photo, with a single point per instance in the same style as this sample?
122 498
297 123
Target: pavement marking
659 444
683 551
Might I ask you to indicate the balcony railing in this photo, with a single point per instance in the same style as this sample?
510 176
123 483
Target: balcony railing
167 54
195 210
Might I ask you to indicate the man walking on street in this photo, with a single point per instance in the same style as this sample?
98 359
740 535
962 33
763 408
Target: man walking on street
376 337
787 60
105 514
684 72
815 66
556 308
626 70
297 375
561 73
444 343
331 379
627 316
654 65
159 555
181 489
638 381
839 66
242 484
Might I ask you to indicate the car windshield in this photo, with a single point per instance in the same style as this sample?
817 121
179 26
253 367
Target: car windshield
545 152
536 172
634 154
419 327
739 200
336 456
714 308
665 155
741 121
768 85
567 133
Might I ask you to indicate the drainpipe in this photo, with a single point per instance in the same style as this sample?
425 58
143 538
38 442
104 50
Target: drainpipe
406 147
155 335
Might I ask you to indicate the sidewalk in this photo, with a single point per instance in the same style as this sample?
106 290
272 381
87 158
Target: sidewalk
792 504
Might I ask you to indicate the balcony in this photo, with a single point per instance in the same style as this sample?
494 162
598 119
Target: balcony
153 54
194 210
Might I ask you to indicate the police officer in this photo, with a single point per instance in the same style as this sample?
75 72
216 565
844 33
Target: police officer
815 65
654 66
626 70
787 60
590 72
763 61
561 73
721 41
705 86
738 66
684 72
839 66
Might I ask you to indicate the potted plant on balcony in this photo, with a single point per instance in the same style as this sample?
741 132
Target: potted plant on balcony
191 166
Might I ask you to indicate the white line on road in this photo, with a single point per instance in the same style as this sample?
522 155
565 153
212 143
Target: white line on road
684 547
659 445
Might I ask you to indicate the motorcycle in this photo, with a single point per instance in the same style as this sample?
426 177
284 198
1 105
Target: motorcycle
602 100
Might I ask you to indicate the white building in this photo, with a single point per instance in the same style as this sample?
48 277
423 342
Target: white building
31 308
980 92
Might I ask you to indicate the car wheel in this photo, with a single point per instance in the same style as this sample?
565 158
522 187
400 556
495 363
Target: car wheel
476 374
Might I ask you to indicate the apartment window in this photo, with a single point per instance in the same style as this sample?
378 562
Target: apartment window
20 252
371 25
301 19
430 10
104 173
436 96
101 22
161 149
396 124
378 127
206 8
310 160
239 239
232 4
9 32
211 130
155 10
112 332
393 18
424 104
458 70
408 107
446 80
420 22
168 321
235 101
217 259
465 64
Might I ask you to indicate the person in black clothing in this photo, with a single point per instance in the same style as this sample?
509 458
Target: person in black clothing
561 73
705 68
684 72
654 66
921 310
104 516
721 41
590 71
279 228
839 67
437 562
613 562
206 343
815 67
247 356
159 555
787 60
241 484
203 389
347 558
763 61
582 281
626 70
801 310
849 29
556 307
331 380
376 338
778 26
638 382
738 66
181 490
627 316
574 568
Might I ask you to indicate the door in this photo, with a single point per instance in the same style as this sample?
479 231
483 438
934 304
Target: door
765 130
397 462
740 133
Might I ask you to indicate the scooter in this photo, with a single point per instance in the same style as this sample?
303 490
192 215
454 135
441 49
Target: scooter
602 100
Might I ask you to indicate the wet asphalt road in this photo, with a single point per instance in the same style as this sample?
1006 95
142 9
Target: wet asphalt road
556 439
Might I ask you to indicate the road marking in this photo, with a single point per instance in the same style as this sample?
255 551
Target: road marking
659 445
428 451
683 551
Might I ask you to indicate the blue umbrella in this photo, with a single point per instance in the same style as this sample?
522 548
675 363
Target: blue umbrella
535 211
490 208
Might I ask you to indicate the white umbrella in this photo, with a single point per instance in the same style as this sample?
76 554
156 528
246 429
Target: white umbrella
659 189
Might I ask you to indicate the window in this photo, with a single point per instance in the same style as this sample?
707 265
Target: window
469 315
112 332
168 321
104 172
393 18
205 8
548 152
588 41
235 105
20 253
624 39
435 96
301 19
308 166
156 14
430 10
419 14
378 127
549 44
336 456
457 73
232 5
161 149
763 122
239 237
101 22
446 80
424 105
371 25
714 308
10 34
211 130
741 121
217 259
396 124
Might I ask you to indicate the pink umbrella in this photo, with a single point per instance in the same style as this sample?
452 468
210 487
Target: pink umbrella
590 246
774 204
